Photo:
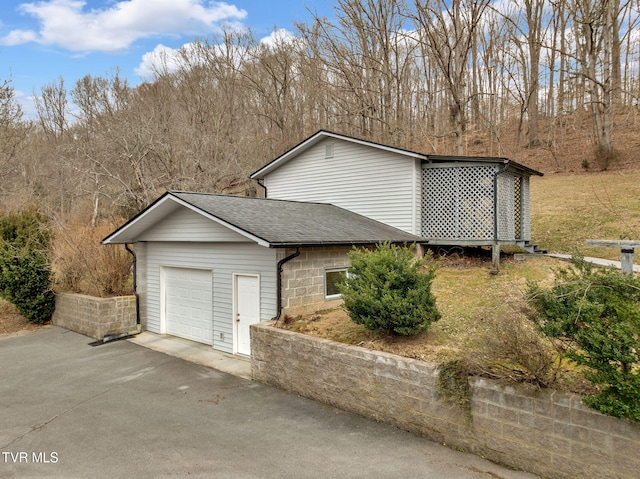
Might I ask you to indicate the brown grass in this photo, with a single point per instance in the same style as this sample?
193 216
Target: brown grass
468 297
11 321
82 265
567 210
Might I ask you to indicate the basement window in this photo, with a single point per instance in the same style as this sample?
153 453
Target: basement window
332 278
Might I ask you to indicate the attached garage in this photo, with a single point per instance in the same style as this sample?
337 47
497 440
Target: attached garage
209 266
191 289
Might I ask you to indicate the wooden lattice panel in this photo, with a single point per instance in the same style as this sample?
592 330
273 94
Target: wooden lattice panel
506 208
526 209
517 207
457 202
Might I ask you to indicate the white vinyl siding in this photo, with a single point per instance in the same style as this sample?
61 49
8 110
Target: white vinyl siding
224 259
417 199
140 250
369 181
187 225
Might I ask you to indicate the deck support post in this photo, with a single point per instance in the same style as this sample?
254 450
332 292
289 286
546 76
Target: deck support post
495 256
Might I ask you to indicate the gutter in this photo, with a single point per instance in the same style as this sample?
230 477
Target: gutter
263 187
279 281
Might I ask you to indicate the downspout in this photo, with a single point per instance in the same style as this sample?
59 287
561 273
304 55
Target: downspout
115 337
263 187
135 285
495 256
279 282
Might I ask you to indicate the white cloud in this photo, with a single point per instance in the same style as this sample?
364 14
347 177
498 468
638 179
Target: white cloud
166 60
18 37
162 59
68 24
278 37
29 111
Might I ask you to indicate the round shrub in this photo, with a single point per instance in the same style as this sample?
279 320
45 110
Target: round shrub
386 289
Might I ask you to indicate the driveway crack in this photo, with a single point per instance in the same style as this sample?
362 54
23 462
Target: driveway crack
42 426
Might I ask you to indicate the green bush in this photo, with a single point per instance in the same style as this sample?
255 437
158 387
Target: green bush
385 289
28 228
25 274
597 312
453 383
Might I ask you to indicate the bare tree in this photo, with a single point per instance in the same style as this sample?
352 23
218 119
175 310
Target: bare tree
98 98
493 50
368 60
595 27
535 31
447 33
271 75
527 19
52 108
12 129
215 88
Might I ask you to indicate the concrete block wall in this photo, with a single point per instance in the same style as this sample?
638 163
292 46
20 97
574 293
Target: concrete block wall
95 317
544 432
303 278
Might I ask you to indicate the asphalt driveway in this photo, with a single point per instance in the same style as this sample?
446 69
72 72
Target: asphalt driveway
69 410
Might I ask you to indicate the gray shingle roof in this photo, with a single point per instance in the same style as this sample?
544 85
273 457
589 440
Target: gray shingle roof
288 223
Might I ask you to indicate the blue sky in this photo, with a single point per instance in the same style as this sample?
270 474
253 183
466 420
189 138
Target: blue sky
43 40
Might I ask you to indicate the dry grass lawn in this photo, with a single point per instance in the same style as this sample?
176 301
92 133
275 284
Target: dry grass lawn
467 295
566 210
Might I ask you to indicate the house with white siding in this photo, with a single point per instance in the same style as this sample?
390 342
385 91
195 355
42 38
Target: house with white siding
208 266
446 200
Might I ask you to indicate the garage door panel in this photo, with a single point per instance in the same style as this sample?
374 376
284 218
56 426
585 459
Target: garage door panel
189 304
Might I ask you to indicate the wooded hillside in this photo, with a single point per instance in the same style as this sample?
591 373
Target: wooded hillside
553 85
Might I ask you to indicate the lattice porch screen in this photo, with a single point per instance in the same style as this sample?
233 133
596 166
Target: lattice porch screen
517 206
457 202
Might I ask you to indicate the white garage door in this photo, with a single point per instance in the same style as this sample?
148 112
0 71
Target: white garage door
189 304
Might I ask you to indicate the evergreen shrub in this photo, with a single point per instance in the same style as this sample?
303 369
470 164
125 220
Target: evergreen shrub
386 289
596 311
25 273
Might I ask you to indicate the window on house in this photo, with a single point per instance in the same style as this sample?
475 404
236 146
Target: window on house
333 277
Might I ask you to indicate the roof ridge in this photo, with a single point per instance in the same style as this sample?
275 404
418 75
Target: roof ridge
222 195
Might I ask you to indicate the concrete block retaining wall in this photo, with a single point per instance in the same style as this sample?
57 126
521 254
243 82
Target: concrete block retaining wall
303 278
95 317
544 432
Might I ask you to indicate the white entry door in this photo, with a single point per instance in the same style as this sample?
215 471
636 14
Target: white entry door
188 303
247 310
